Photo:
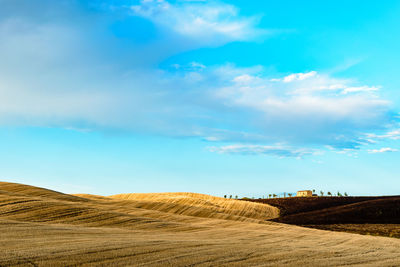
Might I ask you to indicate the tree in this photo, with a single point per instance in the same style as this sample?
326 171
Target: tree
230 196
224 196
236 197
321 193
270 195
338 194
313 191
290 194
274 195
345 194
329 193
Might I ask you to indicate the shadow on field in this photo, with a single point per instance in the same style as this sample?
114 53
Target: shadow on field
363 215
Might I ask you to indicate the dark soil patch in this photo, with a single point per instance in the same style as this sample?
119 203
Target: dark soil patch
362 215
294 205
388 230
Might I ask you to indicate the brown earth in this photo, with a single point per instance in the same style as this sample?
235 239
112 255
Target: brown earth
374 229
40 227
363 215
294 205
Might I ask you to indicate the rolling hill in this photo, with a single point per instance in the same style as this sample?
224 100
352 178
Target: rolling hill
201 205
40 227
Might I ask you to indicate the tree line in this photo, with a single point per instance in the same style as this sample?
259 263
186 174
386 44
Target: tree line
321 193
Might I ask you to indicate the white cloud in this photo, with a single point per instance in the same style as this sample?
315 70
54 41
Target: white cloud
197 65
245 78
299 76
280 151
309 108
360 89
207 23
391 135
382 150
395 134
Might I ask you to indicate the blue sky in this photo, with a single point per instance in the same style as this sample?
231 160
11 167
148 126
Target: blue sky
243 97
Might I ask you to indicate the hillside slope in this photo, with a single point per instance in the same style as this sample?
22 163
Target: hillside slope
33 191
200 205
362 215
294 205
28 203
382 210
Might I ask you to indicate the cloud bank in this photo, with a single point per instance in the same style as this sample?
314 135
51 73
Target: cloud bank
205 23
78 74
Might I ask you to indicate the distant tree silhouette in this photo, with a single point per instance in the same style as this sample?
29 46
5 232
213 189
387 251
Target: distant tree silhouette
224 196
270 195
338 194
290 194
236 197
345 194
230 196
321 193
313 191
274 195
329 193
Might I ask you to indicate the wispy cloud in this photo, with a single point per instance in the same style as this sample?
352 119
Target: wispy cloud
208 23
364 88
382 150
392 135
280 151
298 76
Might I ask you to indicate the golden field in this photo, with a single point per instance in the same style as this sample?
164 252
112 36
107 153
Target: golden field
40 227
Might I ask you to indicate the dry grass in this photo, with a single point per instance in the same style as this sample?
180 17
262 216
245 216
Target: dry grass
39 227
201 205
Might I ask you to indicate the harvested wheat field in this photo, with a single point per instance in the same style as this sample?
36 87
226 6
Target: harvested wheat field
40 227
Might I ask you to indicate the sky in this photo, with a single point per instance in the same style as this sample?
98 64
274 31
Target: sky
242 98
